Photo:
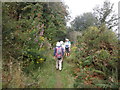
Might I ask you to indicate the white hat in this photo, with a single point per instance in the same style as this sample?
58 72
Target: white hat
58 44
67 39
61 42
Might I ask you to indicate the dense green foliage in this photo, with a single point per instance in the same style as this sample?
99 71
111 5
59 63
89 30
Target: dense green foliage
96 51
27 26
97 57
30 30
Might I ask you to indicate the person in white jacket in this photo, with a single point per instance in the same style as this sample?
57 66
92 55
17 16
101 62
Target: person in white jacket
67 47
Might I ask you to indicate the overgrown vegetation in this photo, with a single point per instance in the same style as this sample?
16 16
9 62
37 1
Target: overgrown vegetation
30 31
96 50
97 59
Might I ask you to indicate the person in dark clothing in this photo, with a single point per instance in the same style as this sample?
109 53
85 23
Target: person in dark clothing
58 54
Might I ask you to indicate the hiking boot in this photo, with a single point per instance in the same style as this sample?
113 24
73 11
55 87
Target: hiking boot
56 68
60 70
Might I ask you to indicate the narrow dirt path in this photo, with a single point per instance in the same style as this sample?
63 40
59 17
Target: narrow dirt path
63 78
49 77
58 80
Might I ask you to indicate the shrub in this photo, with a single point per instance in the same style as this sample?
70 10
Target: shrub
97 48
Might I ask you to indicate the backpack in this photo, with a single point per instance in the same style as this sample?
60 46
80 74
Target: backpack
59 52
67 45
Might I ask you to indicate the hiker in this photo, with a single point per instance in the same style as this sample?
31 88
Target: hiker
62 45
67 47
58 54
